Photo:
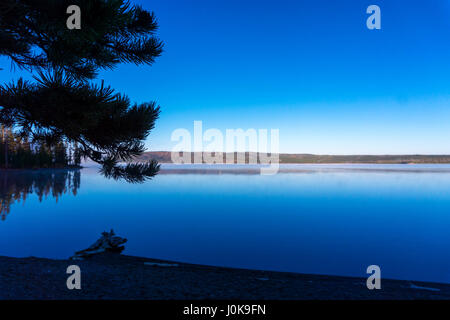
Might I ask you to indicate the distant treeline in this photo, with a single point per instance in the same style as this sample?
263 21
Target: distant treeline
19 152
165 157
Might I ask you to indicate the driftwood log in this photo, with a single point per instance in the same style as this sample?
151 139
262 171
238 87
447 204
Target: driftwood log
108 242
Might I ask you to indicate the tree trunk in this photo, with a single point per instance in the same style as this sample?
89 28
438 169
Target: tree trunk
6 154
5 140
5 145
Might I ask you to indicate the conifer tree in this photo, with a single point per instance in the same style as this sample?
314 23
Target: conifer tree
64 102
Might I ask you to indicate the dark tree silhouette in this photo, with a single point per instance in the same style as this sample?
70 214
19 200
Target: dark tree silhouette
63 103
21 154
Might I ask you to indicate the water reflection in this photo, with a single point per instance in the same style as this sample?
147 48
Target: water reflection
324 219
16 186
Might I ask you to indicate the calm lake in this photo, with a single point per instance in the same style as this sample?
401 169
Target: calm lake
322 219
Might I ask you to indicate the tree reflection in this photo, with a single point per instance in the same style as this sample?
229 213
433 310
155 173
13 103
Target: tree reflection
16 186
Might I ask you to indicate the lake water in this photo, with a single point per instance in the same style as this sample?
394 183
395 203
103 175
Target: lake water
322 219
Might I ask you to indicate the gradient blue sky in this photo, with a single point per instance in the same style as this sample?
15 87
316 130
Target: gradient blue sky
309 68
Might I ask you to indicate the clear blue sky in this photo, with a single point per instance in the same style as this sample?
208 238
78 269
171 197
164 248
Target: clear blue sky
309 68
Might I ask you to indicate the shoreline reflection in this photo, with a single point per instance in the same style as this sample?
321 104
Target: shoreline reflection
16 186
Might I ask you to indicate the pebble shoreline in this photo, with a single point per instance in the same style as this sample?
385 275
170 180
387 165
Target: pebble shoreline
114 276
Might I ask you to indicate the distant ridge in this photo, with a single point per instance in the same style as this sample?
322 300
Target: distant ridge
165 157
